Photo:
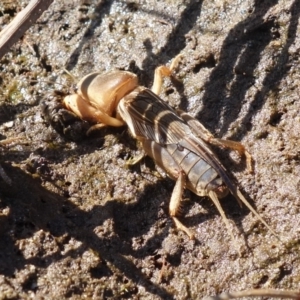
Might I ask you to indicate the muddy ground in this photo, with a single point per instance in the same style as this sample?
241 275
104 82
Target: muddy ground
77 222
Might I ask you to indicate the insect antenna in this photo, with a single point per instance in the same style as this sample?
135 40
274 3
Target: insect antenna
70 84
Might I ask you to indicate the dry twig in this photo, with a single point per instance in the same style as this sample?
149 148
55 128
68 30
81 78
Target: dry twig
24 19
257 293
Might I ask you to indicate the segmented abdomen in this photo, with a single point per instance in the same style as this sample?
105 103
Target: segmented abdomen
201 177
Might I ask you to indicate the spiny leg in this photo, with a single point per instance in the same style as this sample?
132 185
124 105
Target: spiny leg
235 146
175 203
163 71
84 110
95 127
200 131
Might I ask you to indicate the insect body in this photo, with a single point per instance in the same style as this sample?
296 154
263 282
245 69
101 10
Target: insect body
177 142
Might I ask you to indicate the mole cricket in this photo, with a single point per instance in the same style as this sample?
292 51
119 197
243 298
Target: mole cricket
177 142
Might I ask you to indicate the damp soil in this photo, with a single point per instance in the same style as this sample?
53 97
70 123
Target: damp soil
77 221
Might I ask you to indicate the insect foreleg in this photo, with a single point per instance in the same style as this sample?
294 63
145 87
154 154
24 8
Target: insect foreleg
84 110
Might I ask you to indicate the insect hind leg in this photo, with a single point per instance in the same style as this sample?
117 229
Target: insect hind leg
240 148
174 205
200 131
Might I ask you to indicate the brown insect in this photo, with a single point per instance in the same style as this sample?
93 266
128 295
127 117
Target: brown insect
176 141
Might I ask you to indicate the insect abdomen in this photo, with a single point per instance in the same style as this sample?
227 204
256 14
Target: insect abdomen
201 177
